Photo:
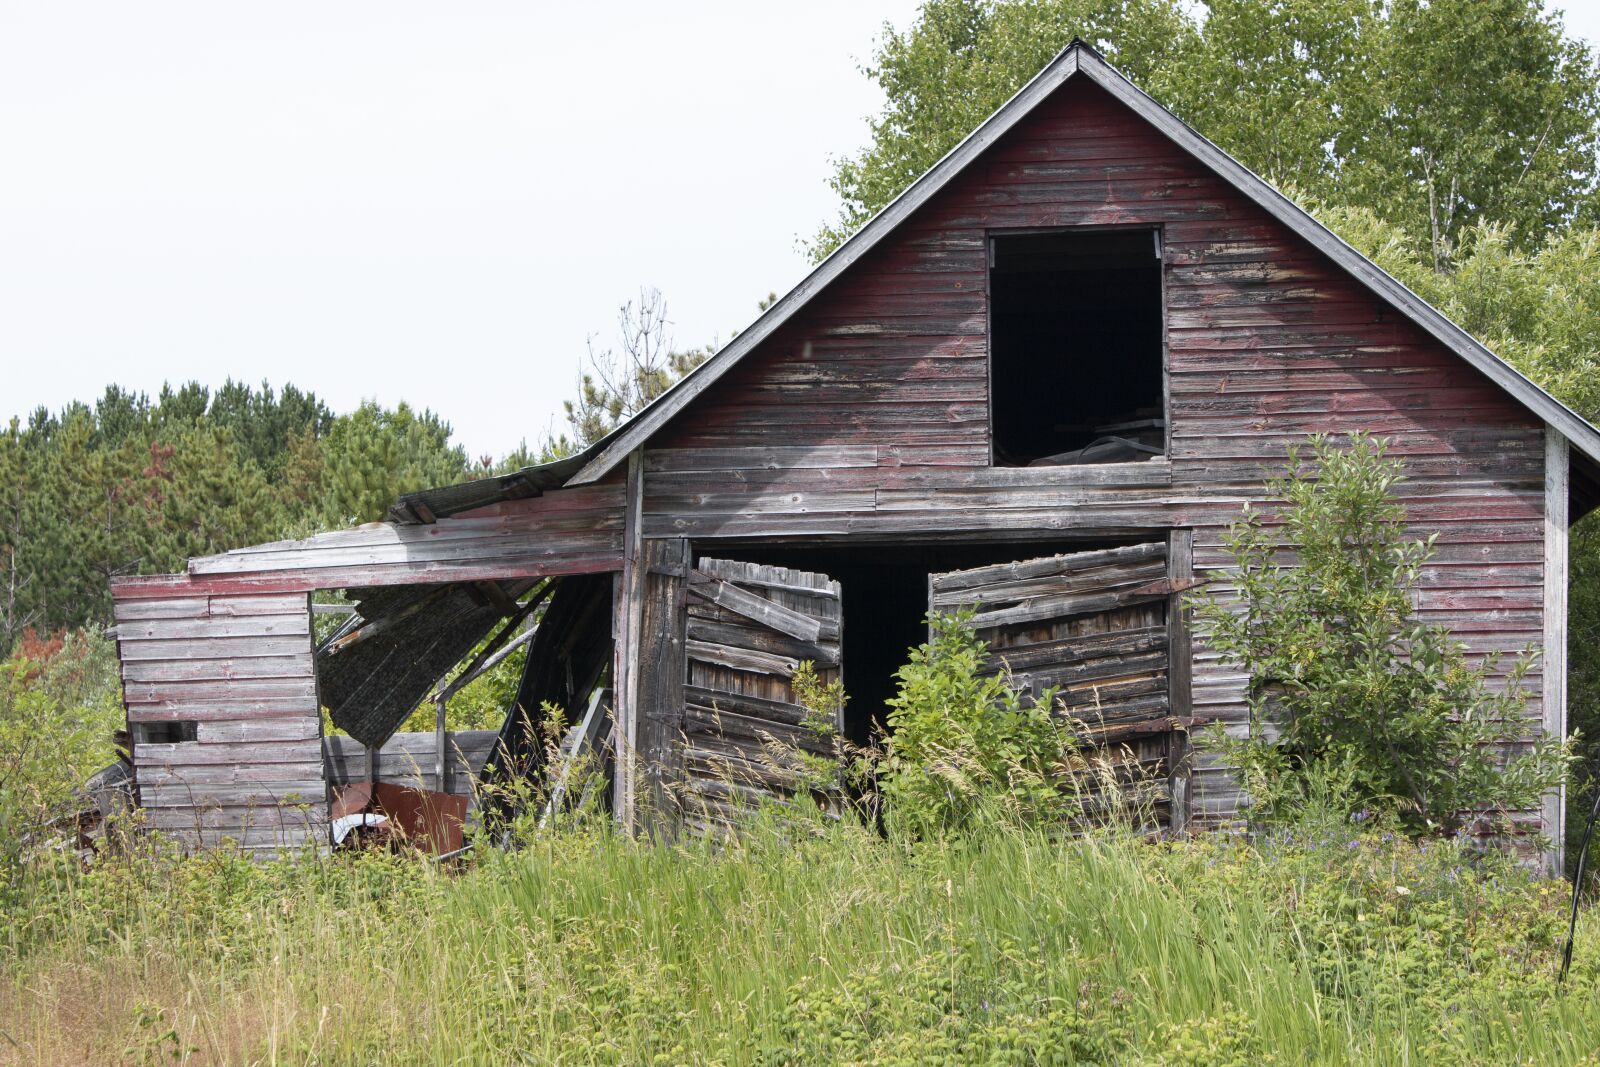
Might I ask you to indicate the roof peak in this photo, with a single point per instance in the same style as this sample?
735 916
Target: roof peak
1079 57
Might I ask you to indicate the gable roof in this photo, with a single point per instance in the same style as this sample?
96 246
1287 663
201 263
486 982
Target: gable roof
1079 60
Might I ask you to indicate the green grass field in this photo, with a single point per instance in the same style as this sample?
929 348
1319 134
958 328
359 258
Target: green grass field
805 943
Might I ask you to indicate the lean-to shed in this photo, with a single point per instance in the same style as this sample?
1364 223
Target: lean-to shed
1042 381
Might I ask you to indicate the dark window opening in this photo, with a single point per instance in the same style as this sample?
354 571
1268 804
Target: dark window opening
1075 348
175 732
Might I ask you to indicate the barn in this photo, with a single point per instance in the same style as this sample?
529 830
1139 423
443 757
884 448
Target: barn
1040 383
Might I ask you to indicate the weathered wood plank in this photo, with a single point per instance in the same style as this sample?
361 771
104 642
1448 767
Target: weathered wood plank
251 667
1051 566
240 626
234 649
208 607
599 556
1553 723
662 650
742 659
309 789
758 609
1102 580
1051 607
291 728
627 620
166 775
213 692
1079 648
759 457
754 638
233 753
1180 677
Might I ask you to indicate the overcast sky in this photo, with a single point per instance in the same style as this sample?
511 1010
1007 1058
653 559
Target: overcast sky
420 201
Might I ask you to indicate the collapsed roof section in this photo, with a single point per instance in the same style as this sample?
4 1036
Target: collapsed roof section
400 643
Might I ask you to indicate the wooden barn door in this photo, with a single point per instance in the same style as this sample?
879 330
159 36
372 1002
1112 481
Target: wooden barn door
749 628
1096 626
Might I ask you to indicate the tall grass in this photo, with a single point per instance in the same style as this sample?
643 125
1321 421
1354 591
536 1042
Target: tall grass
804 942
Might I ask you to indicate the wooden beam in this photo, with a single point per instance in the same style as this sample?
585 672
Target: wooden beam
311 579
1557 472
1180 672
630 606
756 608
662 671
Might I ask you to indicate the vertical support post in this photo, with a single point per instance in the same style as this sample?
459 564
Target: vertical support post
1180 675
441 746
626 667
1557 469
663 667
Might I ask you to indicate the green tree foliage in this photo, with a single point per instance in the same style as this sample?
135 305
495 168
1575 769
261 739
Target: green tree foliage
1435 115
1346 682
372 455
134 485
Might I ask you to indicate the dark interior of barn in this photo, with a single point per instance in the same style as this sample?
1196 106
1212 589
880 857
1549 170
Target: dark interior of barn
885 598
1076 347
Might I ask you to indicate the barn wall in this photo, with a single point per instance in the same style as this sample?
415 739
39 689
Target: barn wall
240 668
866 416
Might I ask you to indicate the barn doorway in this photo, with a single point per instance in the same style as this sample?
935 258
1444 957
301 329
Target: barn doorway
885 603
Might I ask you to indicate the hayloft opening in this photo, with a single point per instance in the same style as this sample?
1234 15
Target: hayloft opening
1075 347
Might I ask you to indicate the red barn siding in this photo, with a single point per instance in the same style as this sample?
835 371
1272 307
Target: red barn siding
881 384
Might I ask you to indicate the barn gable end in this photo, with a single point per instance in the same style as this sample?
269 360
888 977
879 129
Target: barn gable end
879 387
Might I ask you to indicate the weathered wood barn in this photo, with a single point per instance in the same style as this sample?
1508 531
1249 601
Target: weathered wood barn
1042 382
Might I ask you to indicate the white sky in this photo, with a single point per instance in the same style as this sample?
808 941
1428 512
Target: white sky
404 200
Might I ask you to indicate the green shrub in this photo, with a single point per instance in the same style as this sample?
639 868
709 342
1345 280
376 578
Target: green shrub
1346 682
59 705
963 742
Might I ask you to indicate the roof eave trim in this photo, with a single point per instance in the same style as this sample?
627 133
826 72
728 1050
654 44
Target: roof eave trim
639 429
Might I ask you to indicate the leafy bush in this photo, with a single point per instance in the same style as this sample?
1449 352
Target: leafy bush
59 705
962 740
1346 682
